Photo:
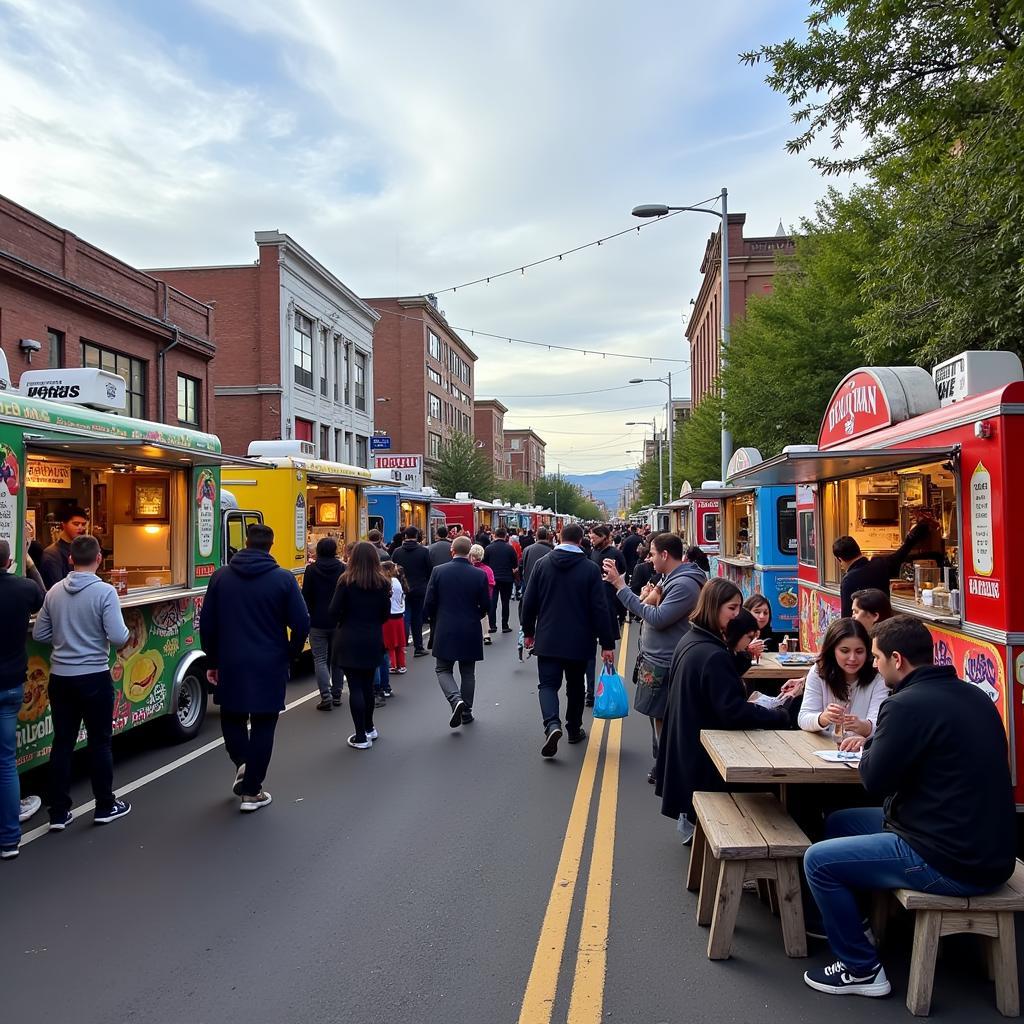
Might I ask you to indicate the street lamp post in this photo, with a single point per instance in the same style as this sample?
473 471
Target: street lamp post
655 436
651 210
671 424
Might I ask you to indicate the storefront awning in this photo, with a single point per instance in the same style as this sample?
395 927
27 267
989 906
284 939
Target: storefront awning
808 467
137 449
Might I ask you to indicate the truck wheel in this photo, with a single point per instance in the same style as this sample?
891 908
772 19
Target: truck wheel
185 718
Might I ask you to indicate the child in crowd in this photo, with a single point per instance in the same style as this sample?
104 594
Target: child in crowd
394 628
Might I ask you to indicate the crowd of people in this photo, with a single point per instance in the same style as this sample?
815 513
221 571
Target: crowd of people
936 812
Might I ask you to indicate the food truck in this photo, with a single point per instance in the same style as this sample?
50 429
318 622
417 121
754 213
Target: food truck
696 520
392 509
302 498
151 494
899 446
471 514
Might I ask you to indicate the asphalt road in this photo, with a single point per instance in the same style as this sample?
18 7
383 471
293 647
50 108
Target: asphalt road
409 883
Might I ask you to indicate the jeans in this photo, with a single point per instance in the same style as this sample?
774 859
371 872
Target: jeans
446 680
414 606
502 589
10 791
320 644
549 675
858 855
249 740
382 675
74 699
360 699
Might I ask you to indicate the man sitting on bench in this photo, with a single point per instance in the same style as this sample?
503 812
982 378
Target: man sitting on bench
939 757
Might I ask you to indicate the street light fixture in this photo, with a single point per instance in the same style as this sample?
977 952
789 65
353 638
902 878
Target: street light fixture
657 210
670 420
653 424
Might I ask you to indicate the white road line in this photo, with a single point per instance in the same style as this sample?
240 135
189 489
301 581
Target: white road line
82 809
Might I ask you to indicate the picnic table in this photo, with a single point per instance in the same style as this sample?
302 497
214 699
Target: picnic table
769 668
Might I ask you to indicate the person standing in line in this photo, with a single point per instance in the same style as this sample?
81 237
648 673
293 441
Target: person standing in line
665 622
602 549
517 575
441 549
503 561
456 601
360 607
630 548
526 538
81 617
318 585
254 623
476 558
55 563
394 628
564 614
483 537
20 599
415 561
537 550
374 537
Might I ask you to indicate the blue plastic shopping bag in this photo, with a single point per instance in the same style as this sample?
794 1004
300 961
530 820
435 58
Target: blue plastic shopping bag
610 697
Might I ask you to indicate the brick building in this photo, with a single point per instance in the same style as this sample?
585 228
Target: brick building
751 270
424 377
87 308
295 351
489 431
524 450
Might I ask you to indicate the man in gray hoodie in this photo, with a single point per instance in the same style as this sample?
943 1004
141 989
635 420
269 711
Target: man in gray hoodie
81 617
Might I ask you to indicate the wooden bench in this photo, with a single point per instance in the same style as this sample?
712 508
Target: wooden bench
742 836
990 916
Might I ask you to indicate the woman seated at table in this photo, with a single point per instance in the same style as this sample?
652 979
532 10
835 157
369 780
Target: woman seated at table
759 607
842 691
705 692
871 607
742 637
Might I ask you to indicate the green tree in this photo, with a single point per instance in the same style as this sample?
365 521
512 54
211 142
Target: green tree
700 444
570 498
937 92
515 492
463 467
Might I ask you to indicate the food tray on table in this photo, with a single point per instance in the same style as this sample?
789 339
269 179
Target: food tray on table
796 659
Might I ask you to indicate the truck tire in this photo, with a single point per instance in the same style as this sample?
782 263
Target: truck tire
188 710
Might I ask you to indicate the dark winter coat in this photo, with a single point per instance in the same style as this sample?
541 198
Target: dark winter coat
318 586
414 558
642 575
938 755
565 609
598 557
630 547
251 604
20 599
359 616
55 562
533 554
503 560
705 692
440 552
457 599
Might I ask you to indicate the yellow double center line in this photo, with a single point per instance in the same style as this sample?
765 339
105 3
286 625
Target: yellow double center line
587 1000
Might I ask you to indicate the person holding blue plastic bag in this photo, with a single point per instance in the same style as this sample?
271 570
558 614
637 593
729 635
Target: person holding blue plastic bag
611 700
564 613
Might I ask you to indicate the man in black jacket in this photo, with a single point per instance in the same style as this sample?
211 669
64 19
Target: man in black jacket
870 574
414 559
441 549
564 615
938 756
503 560
602 548
630 547
539 549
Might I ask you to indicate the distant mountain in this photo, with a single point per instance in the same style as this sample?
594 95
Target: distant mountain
605 487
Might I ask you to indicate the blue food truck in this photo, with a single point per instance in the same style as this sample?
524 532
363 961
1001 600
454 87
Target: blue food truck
392 509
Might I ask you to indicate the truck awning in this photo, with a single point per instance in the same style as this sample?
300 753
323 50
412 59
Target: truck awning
137 449
714 492
808 467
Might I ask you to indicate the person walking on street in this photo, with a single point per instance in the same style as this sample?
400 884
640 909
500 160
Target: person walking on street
630 547
361 606
81 617
394 628
664 624
55 562
318 585
441 549
476 558
20 599
503 561
517 576
415 561
602 549
535 552
456 601
564 614
251 607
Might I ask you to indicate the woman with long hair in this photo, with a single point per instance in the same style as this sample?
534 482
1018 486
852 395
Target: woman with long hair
360 607
760 607
699 557
705 692
842 691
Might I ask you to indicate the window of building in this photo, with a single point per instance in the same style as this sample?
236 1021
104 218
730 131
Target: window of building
54 348
785 515
325 442
434 345
302 351
188 400
433 406
362 451
434 445
303 429
339 368
434 376
322 355
360 389
132 371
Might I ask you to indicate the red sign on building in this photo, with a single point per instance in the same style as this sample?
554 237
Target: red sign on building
858 406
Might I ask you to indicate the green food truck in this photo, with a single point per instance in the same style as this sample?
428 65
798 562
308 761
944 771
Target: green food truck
152 496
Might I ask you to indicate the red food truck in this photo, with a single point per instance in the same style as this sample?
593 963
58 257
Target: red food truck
899 446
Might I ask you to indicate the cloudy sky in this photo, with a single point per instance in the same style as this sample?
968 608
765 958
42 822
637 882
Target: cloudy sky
411 147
